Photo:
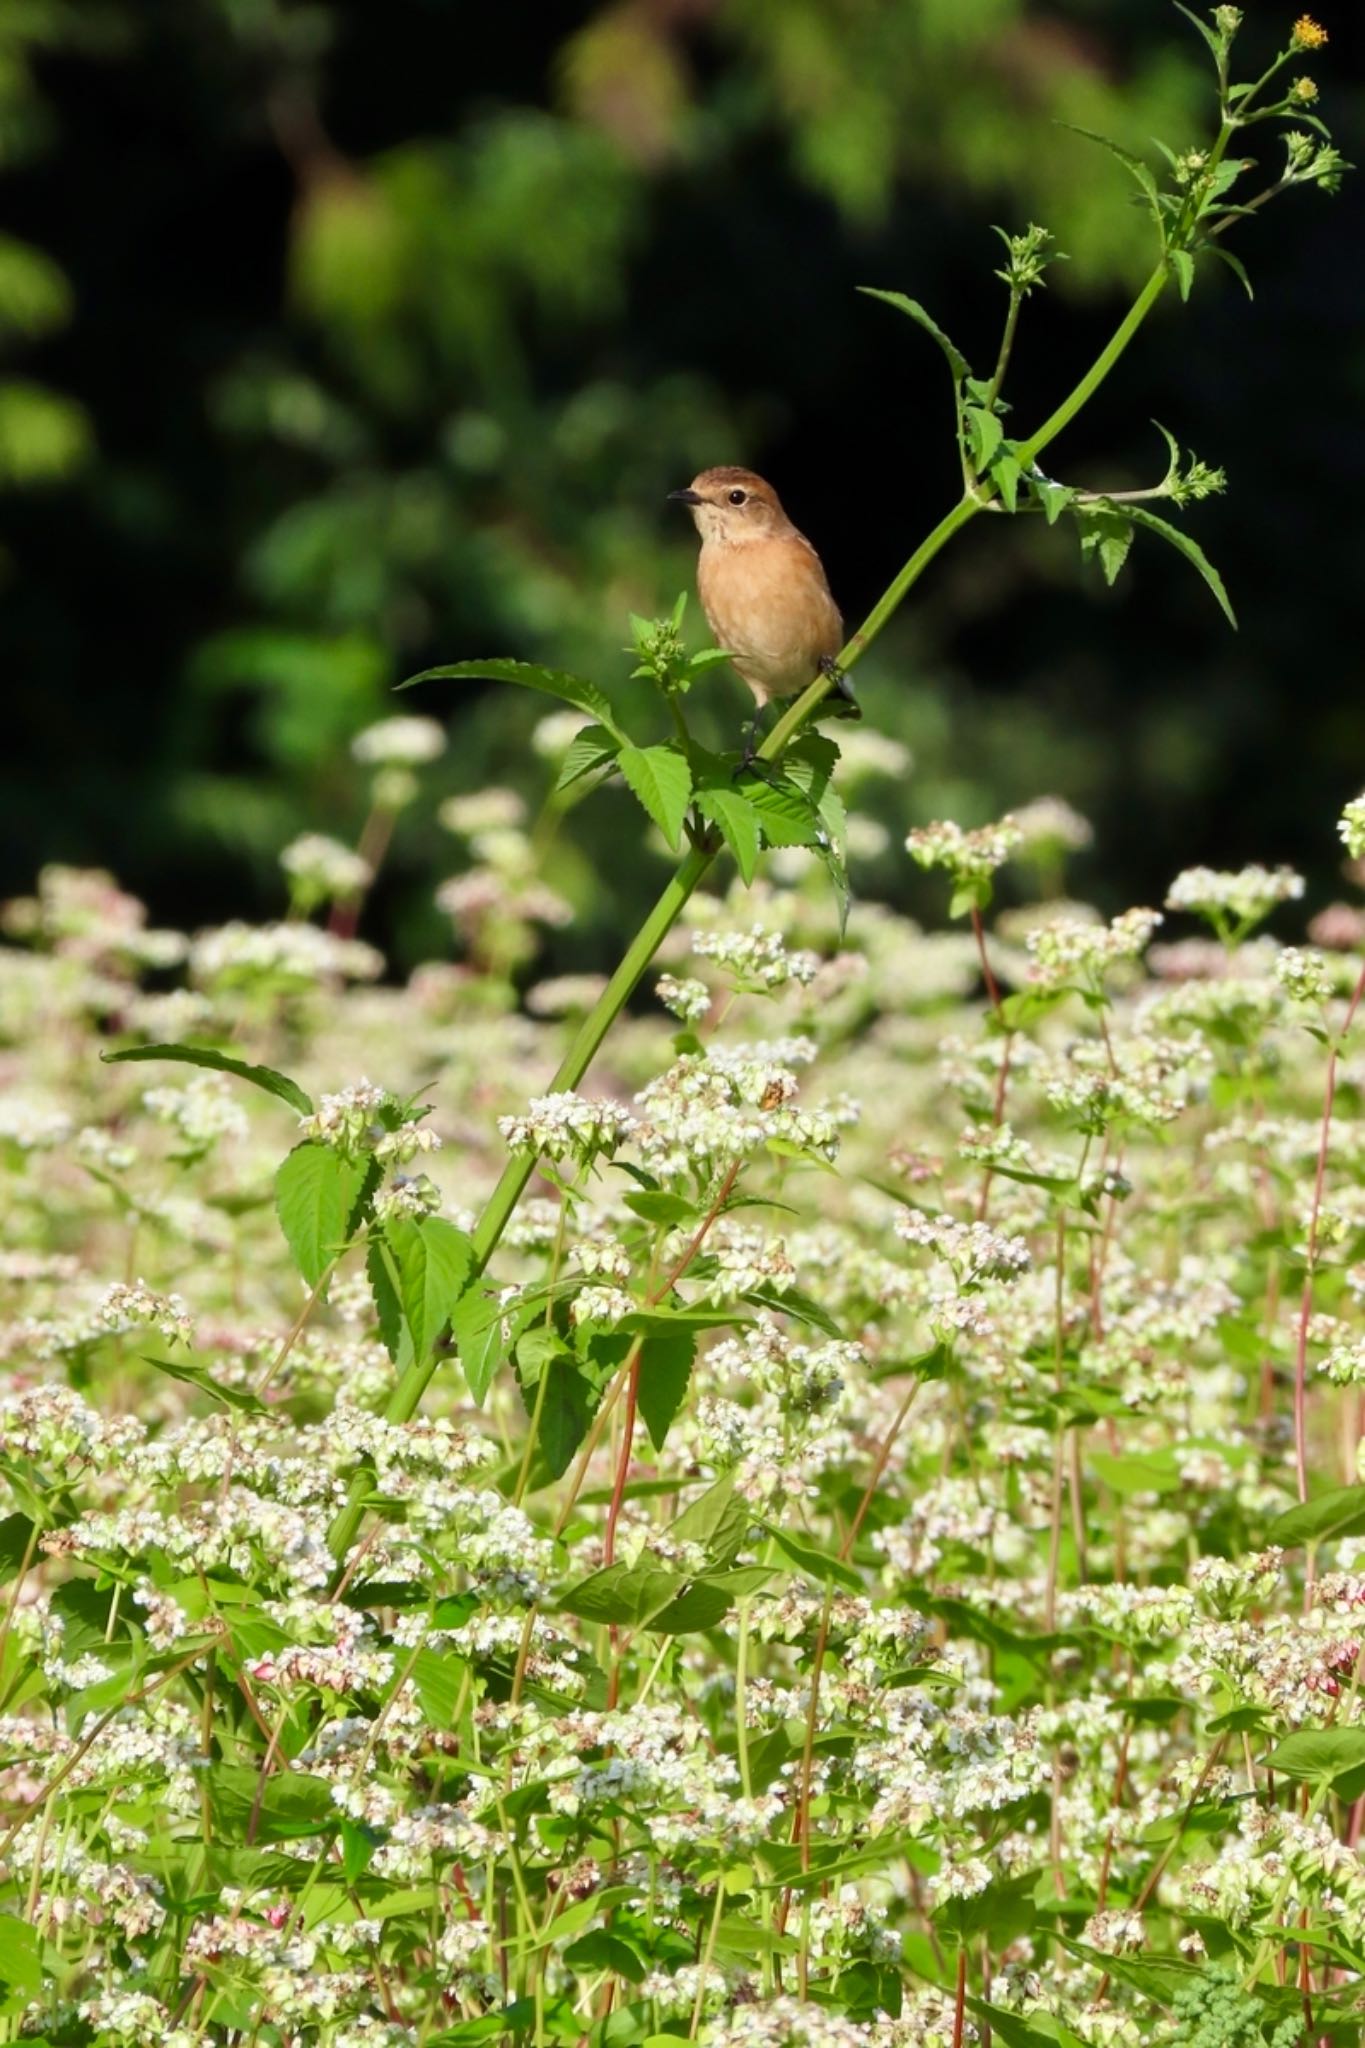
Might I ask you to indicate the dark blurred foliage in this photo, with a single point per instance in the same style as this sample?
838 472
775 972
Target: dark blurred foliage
339 339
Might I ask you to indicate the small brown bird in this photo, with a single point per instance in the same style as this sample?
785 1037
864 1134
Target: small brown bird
763 587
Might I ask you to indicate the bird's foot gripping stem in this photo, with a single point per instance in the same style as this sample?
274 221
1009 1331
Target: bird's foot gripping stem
848 705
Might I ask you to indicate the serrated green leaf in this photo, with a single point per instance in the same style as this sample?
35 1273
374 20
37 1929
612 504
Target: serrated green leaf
1192 552
592 748
433 1262
1182 268
1140 172
1054 498
317 1190
1007 472
786 814
738 823
662 780
957 362
985 433
576 690
1106 537
273 1083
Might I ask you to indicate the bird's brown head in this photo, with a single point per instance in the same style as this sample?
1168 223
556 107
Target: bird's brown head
733 505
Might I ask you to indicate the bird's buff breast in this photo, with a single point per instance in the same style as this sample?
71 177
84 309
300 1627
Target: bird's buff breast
768 605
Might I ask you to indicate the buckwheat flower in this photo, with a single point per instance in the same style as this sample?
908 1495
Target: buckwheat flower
406 1195
399 743
969 857
487 810
974 1251
964 1880
1307 34
565 995
410 1141
1234 900
1303 975
567 1126
348 1120
601 1257
323 870
123 1308
1049 823
688 999
1352 828
203 1111
554 735
1065 950
1344 1364
285 956
1116 1932
606 1305
758 959
864 753
32 1126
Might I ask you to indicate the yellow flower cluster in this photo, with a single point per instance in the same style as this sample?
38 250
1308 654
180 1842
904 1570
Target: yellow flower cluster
1308 35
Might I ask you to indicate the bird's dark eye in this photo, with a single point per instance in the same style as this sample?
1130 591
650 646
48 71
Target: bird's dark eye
738 497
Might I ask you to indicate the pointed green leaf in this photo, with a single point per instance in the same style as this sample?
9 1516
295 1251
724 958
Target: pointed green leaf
985 432
817 1564
1213 41
1192 552
665 1372
1106 536
1182 266
1007 472
1235 265
207 1056
1338 1513
434 1262
785 813
1335 1756
316 1193
592 748
662 780
1137 170
197 1376
551 682
738 823
1054 498
957 362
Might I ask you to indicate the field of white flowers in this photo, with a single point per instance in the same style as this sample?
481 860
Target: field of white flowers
848 1582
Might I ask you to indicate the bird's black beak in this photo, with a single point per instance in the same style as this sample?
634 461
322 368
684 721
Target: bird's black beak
688 497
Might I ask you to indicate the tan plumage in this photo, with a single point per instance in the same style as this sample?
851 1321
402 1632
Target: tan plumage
761 583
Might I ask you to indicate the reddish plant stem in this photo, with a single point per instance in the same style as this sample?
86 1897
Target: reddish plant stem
960 1997
1002 1078
1306 1300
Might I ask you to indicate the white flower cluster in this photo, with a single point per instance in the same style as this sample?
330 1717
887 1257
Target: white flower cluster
1246 895
294 955
568 1126
399 743
1344 1364
348 1119
757 959
708 1112
688 999
1352 828
322 868
1066 950
1302 974
1049 822
487 810
203 1111
974 1251
125 1307
967 856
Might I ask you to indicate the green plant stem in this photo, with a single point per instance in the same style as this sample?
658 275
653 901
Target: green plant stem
413 1383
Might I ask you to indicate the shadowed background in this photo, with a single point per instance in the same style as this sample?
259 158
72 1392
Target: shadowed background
336 340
